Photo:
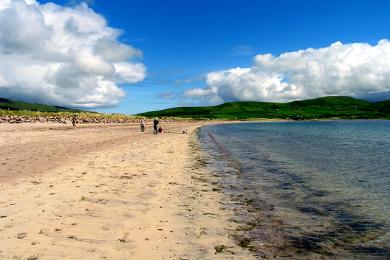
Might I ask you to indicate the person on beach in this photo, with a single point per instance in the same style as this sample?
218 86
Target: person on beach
155 125
74 120
142 125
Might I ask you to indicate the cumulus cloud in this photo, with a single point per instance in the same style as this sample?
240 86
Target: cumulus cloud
63 55
357 69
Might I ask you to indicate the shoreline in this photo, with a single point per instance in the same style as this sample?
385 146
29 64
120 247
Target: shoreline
267 223
110 192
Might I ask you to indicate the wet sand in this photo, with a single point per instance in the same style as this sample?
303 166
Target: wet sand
109 192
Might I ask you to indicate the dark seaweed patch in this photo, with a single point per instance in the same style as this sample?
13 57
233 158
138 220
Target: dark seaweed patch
343 235
312 210
373 251
284 186
309 243
320 193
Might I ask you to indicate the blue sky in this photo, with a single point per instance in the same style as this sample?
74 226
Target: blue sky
182 41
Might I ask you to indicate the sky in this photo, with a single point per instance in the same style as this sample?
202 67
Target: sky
129 56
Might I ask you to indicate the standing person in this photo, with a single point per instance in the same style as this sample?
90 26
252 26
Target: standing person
142 125
155 125
74 120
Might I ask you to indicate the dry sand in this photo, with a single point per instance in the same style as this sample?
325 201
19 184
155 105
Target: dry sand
108 192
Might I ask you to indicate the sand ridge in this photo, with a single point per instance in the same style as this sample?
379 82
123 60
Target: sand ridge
108 193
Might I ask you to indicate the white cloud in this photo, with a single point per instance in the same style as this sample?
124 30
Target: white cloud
356 69
63 55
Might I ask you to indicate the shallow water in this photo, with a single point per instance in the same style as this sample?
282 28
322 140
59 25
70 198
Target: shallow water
308 188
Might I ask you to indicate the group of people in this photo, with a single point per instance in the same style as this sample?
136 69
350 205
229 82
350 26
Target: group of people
156 128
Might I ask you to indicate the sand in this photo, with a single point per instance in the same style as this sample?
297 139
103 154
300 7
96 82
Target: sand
109 192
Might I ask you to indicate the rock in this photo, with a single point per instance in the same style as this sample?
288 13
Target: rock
219 248
21 235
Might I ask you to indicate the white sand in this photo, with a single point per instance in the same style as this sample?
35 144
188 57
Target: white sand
107 192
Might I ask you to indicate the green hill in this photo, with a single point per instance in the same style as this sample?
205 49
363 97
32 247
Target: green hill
8 104
382 107
325 107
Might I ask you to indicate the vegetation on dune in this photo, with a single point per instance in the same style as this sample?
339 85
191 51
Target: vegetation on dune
325 107
23 109
80 115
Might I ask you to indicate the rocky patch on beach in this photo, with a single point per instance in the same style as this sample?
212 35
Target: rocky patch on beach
10 119
63 120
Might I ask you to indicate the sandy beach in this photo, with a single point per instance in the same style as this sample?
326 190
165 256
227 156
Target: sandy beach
108 192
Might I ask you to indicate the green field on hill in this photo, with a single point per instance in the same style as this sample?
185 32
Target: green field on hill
319 108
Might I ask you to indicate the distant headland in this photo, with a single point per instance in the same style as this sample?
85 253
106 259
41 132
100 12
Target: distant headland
331 107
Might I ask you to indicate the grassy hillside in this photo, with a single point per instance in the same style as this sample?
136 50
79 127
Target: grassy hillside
29 110
382 107
8 104
326 107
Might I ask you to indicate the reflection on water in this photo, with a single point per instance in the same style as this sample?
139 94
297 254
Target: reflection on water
307 188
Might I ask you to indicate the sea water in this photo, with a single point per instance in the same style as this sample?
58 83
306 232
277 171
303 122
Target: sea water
307 188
